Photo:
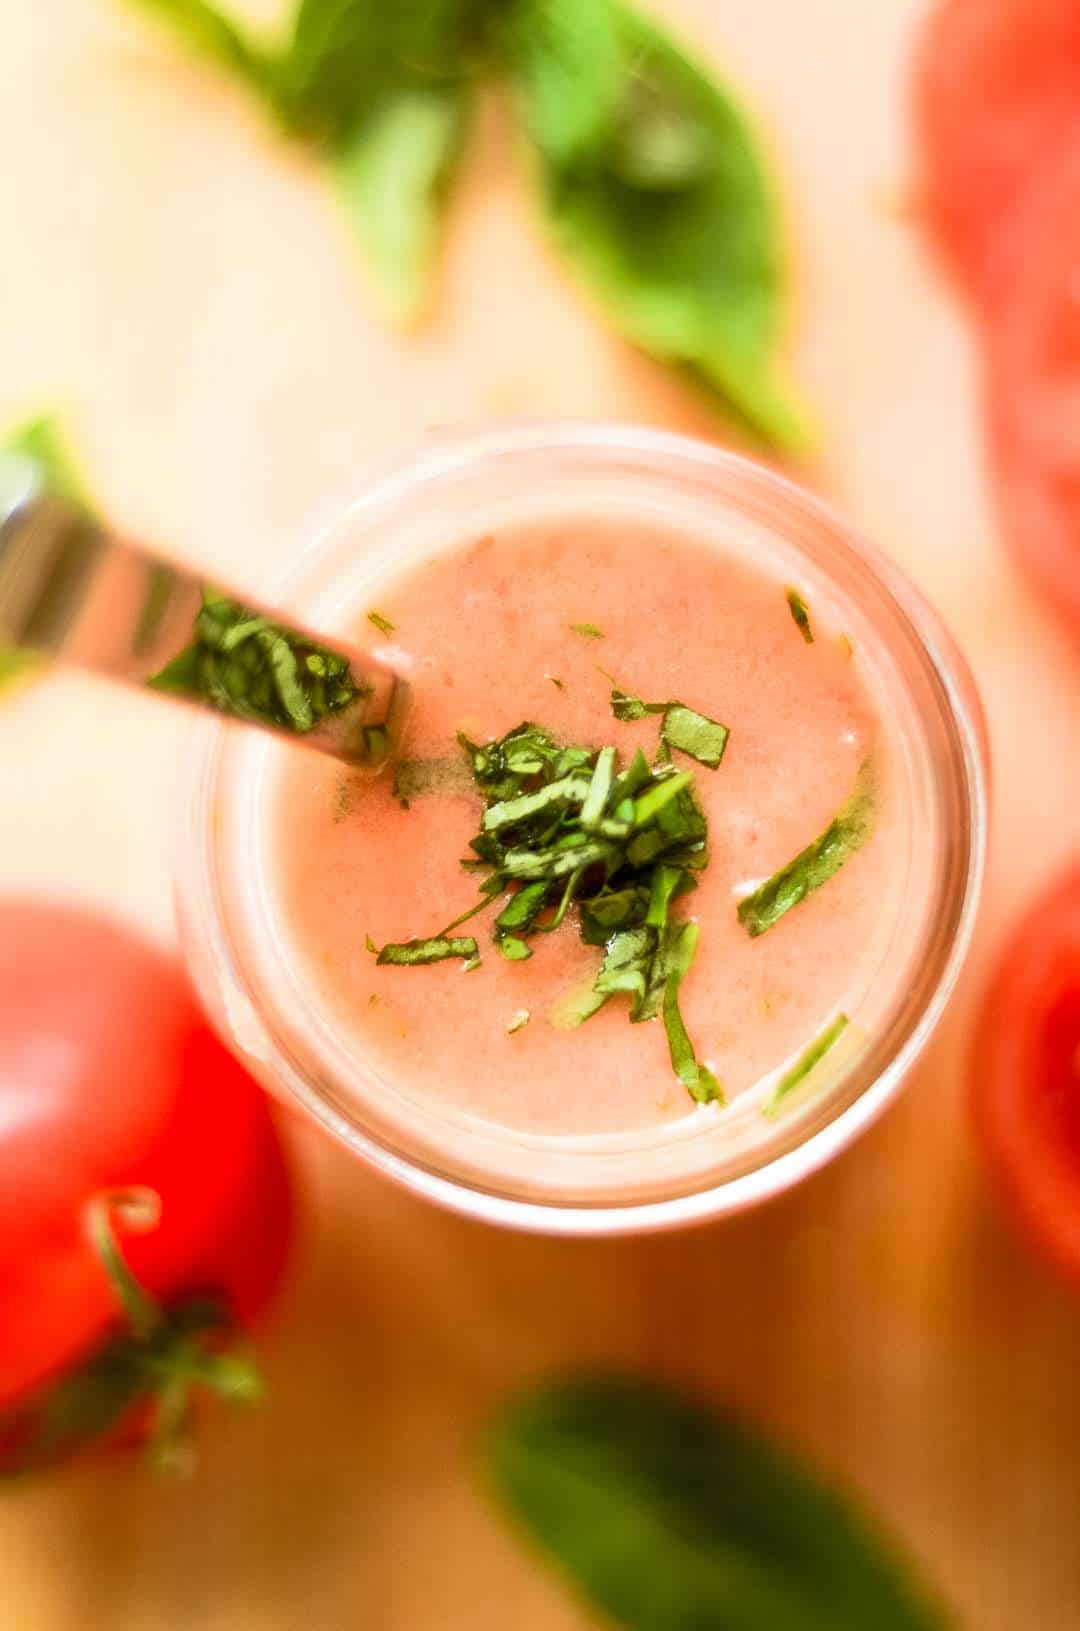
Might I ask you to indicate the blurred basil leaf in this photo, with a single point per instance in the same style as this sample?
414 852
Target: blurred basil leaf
379 89
668 217
393 177
650 177
345 56
668 1517
568 64
211 33
35 456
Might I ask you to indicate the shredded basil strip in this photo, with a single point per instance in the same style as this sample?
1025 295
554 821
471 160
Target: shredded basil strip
699 1081
383 624
816 864
804 1064
797 606
409 953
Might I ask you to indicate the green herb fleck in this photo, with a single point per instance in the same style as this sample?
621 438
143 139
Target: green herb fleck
371 946
383 624
518 1022
416 778
560 685
411 953
805 1064
799 612
816 864
588 631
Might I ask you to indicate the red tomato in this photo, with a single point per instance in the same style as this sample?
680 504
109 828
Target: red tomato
1026 1073
997 94
110 1078
1033 386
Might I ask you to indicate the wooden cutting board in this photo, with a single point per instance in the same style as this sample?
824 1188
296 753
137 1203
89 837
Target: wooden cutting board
185 289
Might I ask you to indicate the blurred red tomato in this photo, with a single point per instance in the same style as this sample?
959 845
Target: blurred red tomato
1033 384
110 1078
1026 1073
997 95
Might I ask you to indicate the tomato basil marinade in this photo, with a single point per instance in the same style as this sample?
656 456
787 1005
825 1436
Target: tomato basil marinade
642 780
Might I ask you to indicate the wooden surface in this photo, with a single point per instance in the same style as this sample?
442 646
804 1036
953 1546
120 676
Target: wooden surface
187 293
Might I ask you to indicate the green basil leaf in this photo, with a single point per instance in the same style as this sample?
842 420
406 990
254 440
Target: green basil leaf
343 54
816 864
393 177
691 272
666 1516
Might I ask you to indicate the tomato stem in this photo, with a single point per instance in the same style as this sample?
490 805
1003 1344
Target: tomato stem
139 1210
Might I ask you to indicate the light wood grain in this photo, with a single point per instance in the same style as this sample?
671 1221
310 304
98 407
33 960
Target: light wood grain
184 287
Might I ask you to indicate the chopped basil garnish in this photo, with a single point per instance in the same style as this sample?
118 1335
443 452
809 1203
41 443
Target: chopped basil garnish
691 733
804 1064
409 953
816 864
565 826
799 612
699 1082
626 707
703 739
383 624
588 631
247 666
519 1021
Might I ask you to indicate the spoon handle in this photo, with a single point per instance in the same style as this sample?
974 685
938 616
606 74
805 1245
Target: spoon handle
72 589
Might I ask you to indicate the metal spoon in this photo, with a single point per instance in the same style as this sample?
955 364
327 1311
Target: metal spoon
72 589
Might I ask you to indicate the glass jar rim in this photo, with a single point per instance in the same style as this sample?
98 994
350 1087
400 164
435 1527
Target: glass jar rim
871 1082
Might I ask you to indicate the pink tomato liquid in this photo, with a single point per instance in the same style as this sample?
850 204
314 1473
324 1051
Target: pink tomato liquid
486 628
